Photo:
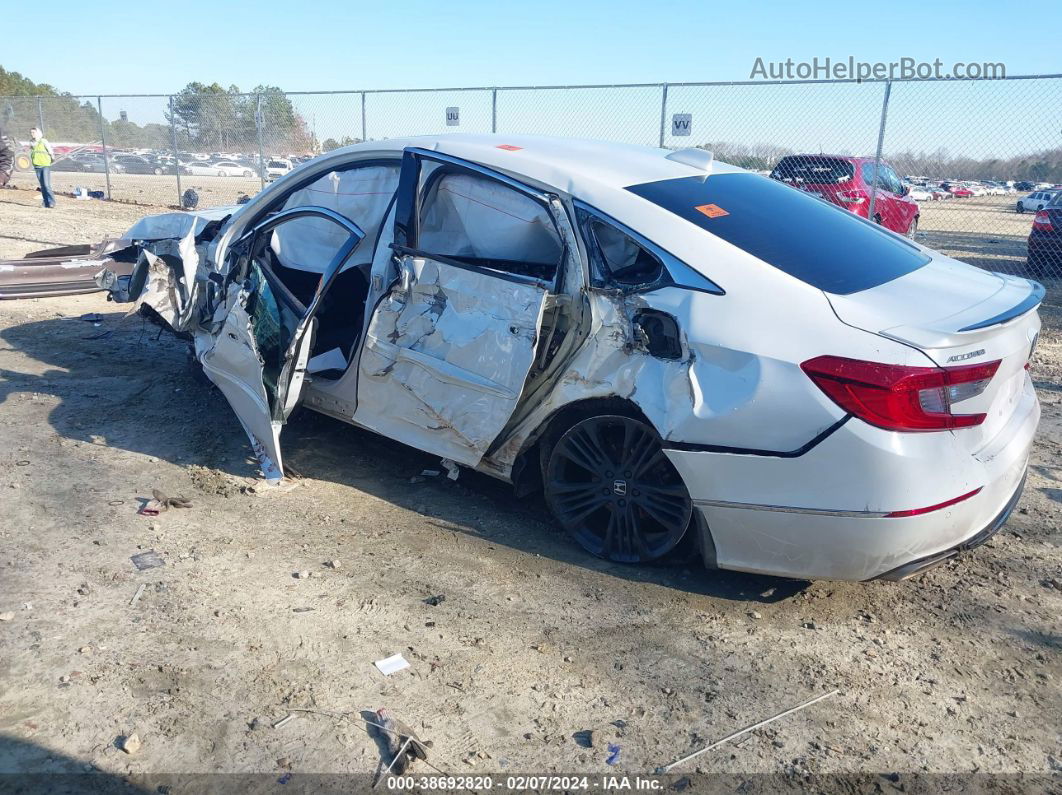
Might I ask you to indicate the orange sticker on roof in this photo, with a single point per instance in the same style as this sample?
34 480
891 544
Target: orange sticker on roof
509 147
711 210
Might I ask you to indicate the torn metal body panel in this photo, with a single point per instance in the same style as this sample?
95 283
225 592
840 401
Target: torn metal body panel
69 270
640 335
442 368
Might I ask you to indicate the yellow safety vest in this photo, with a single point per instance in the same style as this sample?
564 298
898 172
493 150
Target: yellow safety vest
40 156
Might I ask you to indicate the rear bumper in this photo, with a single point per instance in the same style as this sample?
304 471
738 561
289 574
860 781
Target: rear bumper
824 514
909 570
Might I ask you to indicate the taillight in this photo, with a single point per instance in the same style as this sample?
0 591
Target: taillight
1042 221
899 398
851 197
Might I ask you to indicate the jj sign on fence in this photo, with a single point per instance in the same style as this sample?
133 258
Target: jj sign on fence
976 161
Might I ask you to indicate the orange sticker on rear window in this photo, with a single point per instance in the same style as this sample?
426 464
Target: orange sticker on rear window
509 147
711 210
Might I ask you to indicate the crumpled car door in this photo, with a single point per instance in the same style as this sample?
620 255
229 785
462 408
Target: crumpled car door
447 351
258 356
446 357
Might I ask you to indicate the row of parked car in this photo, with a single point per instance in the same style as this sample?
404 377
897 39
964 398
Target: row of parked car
246 166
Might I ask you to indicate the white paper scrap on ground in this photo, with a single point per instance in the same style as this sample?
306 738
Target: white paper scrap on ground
392 664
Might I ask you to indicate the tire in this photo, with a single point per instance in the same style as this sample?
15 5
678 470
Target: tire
1020 208
247 174
912 230
877 220
23 162
609 484
221 173
158 171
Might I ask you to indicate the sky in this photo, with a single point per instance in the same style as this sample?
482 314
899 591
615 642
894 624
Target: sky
336 45
339 44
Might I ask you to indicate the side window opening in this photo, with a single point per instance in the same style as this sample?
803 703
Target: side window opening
478 221
361 194
622 259
291 262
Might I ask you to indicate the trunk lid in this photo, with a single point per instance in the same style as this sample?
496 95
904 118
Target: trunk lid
957 314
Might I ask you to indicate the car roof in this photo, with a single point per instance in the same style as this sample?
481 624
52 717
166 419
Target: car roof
572 165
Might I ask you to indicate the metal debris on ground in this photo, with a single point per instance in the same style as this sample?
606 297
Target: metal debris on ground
403 745
159 502
283 721
452 472
613 754
138 594
392 664
147 560
667 768
91 317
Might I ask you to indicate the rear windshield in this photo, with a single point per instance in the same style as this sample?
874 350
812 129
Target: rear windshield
808 238
813 170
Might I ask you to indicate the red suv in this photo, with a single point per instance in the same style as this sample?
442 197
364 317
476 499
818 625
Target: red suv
847 182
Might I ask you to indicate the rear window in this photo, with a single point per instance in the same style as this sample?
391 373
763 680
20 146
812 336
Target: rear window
810 239
813 170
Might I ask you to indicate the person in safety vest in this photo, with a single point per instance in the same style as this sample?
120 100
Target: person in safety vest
7 146
41 155
7 158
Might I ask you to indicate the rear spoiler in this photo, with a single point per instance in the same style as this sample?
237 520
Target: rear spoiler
1031 301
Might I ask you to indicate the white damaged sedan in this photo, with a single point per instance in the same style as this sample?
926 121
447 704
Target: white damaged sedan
662 343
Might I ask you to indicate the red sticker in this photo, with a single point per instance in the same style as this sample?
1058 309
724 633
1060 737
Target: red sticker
509 147
711 210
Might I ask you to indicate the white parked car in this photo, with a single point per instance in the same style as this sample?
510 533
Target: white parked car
277 167
662 343
920 194
1035 201
222 168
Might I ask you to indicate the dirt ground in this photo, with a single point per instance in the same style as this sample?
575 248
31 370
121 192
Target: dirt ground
147 189
535 644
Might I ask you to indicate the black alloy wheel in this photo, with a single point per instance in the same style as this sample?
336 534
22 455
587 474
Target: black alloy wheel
610 485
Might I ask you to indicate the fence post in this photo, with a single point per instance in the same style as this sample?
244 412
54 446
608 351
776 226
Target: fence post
663 113
103 141
877 156
40 116
364 134
176 152
261 148
494 110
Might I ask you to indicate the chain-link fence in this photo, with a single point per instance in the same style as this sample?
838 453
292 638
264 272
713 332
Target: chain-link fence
969 167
